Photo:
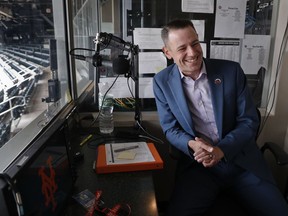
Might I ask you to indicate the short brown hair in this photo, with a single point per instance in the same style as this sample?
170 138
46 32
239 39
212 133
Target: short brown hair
174 25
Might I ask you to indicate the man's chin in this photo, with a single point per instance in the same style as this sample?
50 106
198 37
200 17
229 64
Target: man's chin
194 67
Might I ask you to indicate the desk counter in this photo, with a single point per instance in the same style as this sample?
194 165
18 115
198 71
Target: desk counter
133 188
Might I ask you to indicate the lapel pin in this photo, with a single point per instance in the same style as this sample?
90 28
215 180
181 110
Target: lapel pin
217 81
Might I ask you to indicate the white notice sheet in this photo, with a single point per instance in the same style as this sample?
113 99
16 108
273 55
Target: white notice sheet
148 38
255 53
146 87
200 28
198 6
120 88
225 49
151 62
230 18
204 49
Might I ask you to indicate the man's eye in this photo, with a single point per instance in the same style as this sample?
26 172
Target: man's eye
196 43
181 49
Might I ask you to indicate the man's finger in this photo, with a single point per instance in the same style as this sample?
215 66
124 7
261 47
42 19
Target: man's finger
204 145
207 147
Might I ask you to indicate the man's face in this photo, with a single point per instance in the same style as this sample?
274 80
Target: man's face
184 48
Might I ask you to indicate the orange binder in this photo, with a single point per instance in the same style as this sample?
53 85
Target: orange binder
102 166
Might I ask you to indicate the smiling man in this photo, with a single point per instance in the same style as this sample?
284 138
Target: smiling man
207 112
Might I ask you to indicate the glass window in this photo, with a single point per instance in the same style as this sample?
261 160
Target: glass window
34 83
85 26
89 18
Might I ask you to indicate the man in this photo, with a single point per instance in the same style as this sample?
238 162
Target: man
206 111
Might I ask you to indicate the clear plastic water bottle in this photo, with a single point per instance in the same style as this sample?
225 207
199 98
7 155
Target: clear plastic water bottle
106 122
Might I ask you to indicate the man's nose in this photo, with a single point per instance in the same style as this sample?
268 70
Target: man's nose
191 50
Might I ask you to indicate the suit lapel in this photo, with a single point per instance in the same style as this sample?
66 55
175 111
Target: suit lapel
175 84
216 80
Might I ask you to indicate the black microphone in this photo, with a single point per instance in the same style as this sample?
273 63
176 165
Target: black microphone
121 65
111 41
96 60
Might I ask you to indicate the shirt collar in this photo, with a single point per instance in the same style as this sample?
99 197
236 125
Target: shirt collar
203 71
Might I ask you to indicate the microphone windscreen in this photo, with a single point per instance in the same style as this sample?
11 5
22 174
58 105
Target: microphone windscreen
121 65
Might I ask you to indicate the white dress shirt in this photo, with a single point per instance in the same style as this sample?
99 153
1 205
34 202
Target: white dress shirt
200 105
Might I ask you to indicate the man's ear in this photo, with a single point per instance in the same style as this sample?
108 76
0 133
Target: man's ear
166 52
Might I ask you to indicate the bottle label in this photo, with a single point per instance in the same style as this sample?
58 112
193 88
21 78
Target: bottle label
108 101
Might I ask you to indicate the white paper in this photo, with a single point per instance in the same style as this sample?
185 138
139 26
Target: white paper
198 6
148 38
142 153
225 49
255 53
200 28
230 18
204 49
151 62
146 87
120 88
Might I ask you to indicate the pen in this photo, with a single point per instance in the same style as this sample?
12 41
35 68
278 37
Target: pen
125 148
85 140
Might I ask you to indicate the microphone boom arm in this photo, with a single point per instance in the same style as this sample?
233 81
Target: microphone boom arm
108 40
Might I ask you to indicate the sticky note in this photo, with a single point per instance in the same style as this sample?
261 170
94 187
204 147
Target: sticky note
128 155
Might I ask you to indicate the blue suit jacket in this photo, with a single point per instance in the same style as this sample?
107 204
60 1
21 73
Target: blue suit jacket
235 113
